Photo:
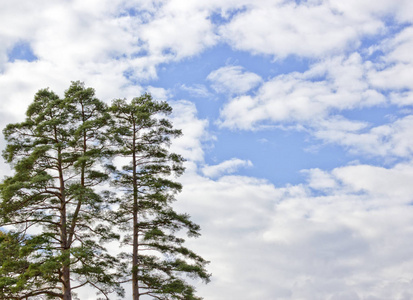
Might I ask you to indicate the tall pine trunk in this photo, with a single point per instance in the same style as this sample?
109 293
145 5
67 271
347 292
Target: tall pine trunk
65 273
65 248
67 291
135 277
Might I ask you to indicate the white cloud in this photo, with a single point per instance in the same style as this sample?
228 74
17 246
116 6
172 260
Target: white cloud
320 180
179 29
311 29
228 166
333 84
80 41
194 130
394 70
197 90
96 42
316 98
393 139
385 186
403 98
362 10
293 243
158 93
72 42
233 80
392 184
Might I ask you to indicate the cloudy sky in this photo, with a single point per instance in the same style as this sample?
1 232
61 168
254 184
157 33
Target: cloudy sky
297 120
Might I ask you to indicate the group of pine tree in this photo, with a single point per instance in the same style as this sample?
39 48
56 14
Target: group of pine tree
89 178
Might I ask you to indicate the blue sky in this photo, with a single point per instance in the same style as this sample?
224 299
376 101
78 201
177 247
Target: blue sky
297 121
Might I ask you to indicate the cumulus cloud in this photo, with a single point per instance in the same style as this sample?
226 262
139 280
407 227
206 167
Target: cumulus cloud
228 166
364 10
391 183
233 80
312 29
333 237
385 186
332 84
178 29
114 46
194 131
316 97
72 41
392 140
394 70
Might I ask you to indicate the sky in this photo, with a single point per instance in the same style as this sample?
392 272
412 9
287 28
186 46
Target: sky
297 119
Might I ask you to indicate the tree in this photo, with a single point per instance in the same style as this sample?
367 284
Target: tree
24 267
57 154
60 216
158 256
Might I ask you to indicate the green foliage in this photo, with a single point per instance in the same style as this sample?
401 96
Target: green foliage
61 155
56 154
143 137
26 267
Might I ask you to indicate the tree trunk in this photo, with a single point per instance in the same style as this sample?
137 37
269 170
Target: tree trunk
65 273
64 243
66 289
135 279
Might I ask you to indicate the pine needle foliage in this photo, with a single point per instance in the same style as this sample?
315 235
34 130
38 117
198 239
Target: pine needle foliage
55 216
56 156
158 258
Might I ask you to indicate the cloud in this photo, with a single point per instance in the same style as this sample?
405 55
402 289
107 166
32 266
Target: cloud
333 84
228 166
379 182
195 131
103 43
364 10
332 237
233 80
312 29
388 140
197 90
314 99
72 41
158 93
168 30
393 72
320 180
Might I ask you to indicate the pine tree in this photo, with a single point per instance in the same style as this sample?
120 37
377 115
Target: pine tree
158 258
24 267
57 221
56 154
